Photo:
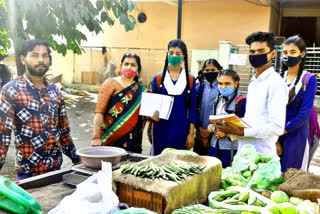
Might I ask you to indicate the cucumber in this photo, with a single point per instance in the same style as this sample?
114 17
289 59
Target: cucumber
239 178
234 182
244 196
259 196
259 203
231 202
246 174
265 158
235 208
229 193
253 167
223 184
272 188
218 197
252 199
236 196
256 158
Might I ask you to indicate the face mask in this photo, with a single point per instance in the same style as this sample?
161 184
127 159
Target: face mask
211 76
174 60
128 73
258 60
291 61
227 91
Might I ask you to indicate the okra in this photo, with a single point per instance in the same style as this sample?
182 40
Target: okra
169 171
133 170
152 166
171 177
136 172
127 171
125 168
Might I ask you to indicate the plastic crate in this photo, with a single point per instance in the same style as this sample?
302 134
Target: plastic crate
140 198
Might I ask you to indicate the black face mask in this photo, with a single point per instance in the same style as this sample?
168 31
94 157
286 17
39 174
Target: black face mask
291 61
211 76
258 60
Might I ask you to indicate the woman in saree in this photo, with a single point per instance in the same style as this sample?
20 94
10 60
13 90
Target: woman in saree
116 120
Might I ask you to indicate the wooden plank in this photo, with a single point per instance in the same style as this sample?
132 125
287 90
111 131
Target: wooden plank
44 179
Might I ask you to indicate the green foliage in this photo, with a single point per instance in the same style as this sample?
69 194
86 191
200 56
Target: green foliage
21 20
4 34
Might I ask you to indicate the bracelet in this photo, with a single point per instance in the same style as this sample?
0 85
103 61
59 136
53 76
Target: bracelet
241 132
95 137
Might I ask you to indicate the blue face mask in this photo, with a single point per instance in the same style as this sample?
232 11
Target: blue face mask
227 91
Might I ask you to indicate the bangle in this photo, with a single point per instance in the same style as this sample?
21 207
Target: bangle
95 137
241 132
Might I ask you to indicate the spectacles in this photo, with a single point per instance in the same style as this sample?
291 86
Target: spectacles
208 70
130 54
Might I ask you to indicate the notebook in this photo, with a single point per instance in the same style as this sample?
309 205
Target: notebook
232 118
151 102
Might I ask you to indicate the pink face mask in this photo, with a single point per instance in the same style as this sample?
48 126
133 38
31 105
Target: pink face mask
128 73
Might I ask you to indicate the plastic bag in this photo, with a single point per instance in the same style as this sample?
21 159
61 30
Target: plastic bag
134 210
93 196
226 173
244 157
266 175
268 171
185 152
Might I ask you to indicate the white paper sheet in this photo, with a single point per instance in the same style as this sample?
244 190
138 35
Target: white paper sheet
238 59
151 102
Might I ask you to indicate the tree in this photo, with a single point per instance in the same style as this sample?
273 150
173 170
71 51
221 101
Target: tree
42 19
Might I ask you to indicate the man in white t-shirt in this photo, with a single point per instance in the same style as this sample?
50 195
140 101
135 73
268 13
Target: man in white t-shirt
266 99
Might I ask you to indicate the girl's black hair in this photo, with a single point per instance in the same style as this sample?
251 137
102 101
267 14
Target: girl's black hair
235 77
213 62
27 47
200 77
104 50
300 43
137 58
180 44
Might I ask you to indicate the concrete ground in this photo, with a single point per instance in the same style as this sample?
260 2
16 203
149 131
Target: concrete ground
80 111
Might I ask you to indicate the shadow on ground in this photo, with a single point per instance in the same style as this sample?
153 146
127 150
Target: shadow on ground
80 111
